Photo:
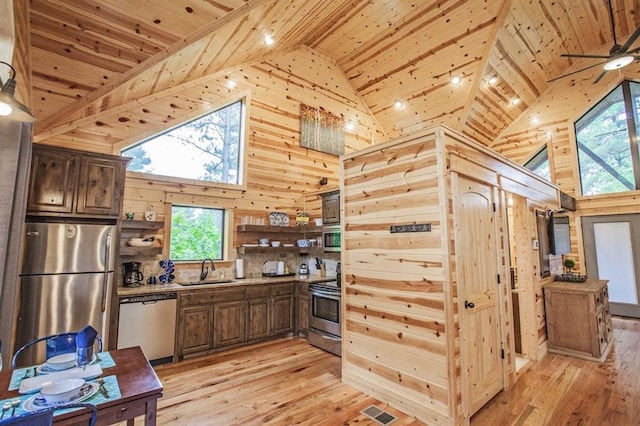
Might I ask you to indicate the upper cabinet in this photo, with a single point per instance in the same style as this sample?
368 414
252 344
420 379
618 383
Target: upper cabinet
331 208
67 182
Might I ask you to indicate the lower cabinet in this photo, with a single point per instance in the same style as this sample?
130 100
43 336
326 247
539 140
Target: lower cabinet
283 308
214 319
302 311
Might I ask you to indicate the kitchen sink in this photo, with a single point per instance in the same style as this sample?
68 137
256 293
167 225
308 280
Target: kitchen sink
188 283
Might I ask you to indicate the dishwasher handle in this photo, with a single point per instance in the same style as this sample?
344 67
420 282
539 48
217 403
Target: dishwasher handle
148 299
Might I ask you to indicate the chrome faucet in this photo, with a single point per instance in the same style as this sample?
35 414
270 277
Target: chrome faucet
204 272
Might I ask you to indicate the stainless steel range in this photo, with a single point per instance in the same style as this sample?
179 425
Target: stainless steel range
324 317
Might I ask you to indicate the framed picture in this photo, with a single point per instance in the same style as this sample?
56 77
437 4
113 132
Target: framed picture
321 131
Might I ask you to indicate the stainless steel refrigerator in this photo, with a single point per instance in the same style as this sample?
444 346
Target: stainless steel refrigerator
66 281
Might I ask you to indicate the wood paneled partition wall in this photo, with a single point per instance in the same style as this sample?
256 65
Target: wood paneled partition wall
427 306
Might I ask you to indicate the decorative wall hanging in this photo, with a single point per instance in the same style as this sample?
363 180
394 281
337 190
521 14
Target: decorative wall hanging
321 131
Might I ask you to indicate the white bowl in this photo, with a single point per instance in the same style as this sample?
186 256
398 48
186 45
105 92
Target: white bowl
139 242
275 243
318 221
62 390
62 362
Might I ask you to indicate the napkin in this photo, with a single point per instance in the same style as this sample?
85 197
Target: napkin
86 337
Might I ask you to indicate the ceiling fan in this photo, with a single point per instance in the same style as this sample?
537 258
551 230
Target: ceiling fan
619 56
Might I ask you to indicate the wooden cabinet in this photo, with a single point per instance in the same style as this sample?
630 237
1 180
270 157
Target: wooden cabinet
196 328
578 319
210 320
302 309
229 323
283 308
69 182
259 312
331 208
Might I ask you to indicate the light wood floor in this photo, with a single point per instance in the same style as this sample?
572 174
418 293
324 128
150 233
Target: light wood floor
287 382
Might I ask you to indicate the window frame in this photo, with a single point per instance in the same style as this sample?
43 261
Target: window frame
245 101
227 231
633 137
535 158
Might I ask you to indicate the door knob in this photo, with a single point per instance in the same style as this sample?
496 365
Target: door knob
469 305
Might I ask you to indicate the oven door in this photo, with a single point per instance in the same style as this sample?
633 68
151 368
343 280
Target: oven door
324 311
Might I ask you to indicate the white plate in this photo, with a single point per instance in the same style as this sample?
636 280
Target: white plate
46 369
34 384
37 401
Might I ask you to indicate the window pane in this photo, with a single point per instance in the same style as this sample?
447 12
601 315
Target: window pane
207 148
539 164
196 233
604 153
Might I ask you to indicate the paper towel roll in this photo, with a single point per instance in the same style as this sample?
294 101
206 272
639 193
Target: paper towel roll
239 268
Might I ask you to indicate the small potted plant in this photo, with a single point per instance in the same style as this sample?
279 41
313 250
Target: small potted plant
569 264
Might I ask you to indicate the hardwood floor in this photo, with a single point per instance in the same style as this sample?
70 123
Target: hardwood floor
287 382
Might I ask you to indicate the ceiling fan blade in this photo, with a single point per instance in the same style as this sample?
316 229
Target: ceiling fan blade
630 41
632 51
600 76
578 55
576 72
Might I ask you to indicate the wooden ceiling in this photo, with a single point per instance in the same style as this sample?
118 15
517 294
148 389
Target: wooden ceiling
97 63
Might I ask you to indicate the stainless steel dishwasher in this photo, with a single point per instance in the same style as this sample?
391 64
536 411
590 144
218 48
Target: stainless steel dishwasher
149 321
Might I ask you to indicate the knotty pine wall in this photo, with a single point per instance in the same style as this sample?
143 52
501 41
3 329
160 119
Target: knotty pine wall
400 335
281 175
555 112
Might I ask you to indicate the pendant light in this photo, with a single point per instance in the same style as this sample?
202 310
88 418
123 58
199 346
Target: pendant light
9 106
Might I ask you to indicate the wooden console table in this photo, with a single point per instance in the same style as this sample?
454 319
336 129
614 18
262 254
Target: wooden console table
578 319
139 386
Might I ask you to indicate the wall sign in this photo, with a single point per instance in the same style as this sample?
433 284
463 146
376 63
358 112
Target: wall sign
416 227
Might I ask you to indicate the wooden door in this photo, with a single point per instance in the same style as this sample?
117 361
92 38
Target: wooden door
258 327
196 329
478 306
53 180
100 186
229 325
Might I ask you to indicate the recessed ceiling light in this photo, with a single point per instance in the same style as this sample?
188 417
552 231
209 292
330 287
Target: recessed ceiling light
492 80
350 125
231 84
268 40
515 101
620 62
535 120
398 104
456 80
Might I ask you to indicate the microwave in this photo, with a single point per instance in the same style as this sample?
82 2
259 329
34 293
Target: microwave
331 238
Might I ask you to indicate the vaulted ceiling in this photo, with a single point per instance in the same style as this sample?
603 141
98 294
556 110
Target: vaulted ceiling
96 61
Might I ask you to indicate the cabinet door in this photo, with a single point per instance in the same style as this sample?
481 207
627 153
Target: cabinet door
53 181
196 324
282 314
303 314
259 325
229 323
100 186
331 208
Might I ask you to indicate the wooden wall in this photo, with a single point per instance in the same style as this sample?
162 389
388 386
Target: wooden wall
282 175
554 115
401 342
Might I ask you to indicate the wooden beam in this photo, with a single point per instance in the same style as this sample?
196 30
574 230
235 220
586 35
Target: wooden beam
493 37
49 126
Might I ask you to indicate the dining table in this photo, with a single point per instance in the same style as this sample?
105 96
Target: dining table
136 393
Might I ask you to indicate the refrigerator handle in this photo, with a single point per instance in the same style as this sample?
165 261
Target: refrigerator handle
105 274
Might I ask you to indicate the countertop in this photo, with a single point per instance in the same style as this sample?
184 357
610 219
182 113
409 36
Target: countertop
174 287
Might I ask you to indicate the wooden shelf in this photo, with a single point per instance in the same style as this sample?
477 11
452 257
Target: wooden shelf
281 229
140 251
141 224
295 249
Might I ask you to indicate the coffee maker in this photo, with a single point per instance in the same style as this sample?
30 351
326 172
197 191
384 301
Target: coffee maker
132 275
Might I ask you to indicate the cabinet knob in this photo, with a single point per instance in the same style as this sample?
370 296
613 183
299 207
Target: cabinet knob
469 305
